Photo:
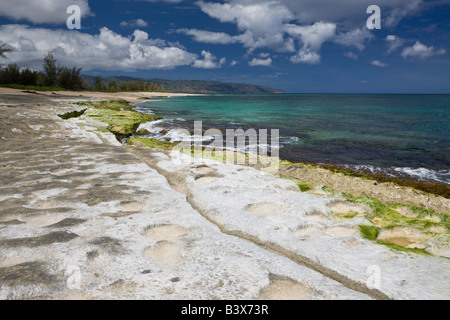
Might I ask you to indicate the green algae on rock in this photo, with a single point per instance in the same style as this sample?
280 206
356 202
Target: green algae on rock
151 143
304 187
123 121
73 114
403 227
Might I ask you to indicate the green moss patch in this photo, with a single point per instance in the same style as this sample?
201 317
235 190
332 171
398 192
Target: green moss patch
369 232
436 188
114 105
387 216
403 249
122 119
73 114
304 187
151 143
430 224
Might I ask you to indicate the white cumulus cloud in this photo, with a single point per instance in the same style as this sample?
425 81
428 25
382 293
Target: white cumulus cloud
300 26
48 11
140 23
106 50
421 51
260 62
350 12
351 55
261 23
356 38
379 64
209 61
210 37
394 42
311 38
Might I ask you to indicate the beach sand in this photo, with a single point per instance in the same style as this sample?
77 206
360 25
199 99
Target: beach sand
128 96
84 217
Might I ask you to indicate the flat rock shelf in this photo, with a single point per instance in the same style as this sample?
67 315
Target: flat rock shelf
84 217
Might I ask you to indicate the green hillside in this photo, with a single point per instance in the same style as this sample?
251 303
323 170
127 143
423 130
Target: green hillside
194 86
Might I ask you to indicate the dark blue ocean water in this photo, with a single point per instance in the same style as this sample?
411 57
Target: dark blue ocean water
391 134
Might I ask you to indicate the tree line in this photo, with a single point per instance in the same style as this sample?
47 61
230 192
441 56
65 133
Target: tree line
136 86
63 77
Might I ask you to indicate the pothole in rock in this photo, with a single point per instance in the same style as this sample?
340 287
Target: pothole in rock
271 208
316 215
42 220
165 253
403 237
308 231
285 289
348 209
343 231
128 206
68 222
206 169
166 232
206 179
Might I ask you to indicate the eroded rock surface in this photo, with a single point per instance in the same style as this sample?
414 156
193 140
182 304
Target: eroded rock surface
83 217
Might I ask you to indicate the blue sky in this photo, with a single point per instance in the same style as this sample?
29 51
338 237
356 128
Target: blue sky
304 46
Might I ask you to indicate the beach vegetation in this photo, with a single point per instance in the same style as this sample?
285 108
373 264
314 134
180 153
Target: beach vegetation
112 85
59 78
53 77
4 49
69 78
50 70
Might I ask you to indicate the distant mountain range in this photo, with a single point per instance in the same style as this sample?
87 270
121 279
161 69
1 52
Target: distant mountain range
193 86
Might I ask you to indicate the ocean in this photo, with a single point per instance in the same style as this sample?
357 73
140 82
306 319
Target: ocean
395 135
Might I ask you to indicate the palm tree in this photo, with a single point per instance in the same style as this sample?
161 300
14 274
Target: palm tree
4 49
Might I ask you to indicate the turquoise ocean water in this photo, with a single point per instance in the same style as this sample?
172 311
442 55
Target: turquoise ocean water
398 135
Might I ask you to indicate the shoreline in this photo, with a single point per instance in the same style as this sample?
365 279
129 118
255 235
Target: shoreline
131 97
433 188
85 217
428 186
429 195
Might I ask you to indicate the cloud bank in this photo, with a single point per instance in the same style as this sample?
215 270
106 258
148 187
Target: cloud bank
299 27
48 11
106 50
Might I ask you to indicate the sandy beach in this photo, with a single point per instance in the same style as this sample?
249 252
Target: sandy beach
128 96
84 217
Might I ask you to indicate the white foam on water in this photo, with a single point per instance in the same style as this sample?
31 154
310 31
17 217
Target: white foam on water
427 174
418 173
290 139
